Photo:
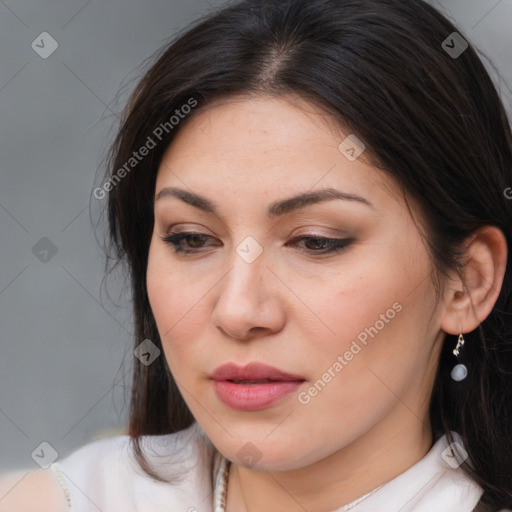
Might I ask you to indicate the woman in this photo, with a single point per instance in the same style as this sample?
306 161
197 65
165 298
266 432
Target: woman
313 200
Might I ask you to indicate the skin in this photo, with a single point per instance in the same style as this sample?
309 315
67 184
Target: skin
299 310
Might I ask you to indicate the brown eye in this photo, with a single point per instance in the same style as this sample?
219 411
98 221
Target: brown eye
193 241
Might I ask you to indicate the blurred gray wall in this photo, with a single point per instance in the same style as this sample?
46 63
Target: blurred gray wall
66 349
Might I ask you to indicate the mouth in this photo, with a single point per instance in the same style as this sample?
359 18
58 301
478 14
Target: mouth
253 387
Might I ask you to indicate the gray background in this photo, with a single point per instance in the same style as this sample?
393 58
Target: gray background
66 347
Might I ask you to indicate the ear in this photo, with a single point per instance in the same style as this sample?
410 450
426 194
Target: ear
469 299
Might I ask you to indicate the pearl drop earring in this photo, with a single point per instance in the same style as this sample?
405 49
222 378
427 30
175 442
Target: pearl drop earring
459 371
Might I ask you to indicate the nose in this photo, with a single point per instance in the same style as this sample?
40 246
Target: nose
249 301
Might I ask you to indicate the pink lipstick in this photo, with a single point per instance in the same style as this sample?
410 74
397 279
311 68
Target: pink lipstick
254 386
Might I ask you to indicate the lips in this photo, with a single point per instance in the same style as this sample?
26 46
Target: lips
252 373
253 387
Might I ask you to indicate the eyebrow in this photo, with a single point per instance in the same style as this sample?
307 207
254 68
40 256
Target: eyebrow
275 209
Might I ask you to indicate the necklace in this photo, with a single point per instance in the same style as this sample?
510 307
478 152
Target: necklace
220 490
219 493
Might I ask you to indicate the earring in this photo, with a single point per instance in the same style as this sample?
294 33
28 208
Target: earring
459 371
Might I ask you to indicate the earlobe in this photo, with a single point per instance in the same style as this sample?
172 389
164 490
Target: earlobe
470 302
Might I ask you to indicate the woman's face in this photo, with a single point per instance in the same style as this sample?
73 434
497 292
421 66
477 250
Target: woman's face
360 326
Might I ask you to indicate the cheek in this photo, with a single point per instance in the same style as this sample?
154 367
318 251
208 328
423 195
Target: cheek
382 354
178 303
367 319
348 303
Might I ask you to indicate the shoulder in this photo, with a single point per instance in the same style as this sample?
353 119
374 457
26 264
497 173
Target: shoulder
31 491
105 473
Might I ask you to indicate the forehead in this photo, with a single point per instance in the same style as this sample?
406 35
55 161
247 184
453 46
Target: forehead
251 144
244 122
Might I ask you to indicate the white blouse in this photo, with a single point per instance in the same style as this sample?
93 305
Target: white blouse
103 476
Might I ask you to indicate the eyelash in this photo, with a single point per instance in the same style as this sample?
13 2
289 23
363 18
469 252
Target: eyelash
337 245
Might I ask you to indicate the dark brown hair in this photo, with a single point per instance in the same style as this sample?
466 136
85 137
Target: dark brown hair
431 120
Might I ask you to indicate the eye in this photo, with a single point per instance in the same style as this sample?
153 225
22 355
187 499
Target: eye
175 240
194 241
326 245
